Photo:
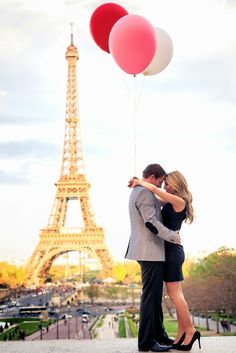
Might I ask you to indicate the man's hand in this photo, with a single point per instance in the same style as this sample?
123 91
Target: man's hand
131 182
178 239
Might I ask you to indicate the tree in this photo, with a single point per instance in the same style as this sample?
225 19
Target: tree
119 272
132 273
92 292
212 282
11 275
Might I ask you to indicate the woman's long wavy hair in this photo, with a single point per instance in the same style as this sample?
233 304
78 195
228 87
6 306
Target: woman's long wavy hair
180 188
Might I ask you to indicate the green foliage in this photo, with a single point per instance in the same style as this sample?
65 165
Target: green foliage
111 292
223 259
30 326
133 327
170 326
18 320
90 275
122 330
101 320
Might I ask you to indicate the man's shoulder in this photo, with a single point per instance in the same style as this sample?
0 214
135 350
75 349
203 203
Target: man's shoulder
141 193
140 188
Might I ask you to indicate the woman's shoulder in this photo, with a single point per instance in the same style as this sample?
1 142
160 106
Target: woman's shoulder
169 207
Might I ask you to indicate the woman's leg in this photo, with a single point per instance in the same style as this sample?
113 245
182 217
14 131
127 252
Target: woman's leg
174 291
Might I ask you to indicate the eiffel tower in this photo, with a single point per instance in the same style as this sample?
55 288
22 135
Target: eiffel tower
57 239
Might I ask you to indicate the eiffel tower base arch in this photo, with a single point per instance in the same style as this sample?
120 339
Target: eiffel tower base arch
53 244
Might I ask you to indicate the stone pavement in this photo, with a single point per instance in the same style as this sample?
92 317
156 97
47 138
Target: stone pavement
220 344
109 329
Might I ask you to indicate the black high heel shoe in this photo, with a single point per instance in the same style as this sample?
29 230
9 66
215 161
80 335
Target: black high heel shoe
188 347
180 341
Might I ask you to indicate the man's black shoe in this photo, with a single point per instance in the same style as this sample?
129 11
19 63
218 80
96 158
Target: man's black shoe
156 348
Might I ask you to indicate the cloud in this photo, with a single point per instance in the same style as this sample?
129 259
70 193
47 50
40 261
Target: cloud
205 76
28 148
13 178
231 3
23 119
21 162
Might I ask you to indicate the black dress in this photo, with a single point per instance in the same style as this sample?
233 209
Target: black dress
174 252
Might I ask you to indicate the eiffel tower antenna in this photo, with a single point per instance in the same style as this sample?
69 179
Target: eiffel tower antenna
71 34
56 239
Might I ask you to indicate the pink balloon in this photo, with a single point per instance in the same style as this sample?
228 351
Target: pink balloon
132 43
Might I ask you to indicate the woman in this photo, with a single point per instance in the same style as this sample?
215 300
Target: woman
177 207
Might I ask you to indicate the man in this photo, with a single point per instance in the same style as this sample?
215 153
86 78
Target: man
146 245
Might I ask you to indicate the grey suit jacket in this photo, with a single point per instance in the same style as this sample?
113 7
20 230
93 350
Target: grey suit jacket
144 245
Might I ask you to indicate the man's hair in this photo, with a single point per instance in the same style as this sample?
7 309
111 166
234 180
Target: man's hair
153 169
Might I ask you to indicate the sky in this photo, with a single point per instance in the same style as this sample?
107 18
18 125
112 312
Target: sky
185 119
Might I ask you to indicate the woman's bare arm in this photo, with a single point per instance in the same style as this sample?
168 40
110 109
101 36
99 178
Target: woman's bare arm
177 202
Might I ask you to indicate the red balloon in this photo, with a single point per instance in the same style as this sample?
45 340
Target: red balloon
102 21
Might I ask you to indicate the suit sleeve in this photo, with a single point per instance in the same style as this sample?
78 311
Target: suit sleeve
146 206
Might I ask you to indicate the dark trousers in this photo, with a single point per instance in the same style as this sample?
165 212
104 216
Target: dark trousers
151 316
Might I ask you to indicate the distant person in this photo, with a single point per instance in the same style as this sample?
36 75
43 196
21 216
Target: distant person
228 325
21 334
224 325
146 245
177 207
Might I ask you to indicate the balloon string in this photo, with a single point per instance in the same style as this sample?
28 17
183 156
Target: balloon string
126 85
136 100
140 93
135 126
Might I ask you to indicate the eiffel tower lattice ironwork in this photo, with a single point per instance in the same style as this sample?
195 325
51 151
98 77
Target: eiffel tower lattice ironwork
56 239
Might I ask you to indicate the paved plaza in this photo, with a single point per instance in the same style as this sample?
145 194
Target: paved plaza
105 342
116 345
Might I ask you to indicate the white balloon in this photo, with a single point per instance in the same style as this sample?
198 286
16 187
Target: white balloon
163 55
